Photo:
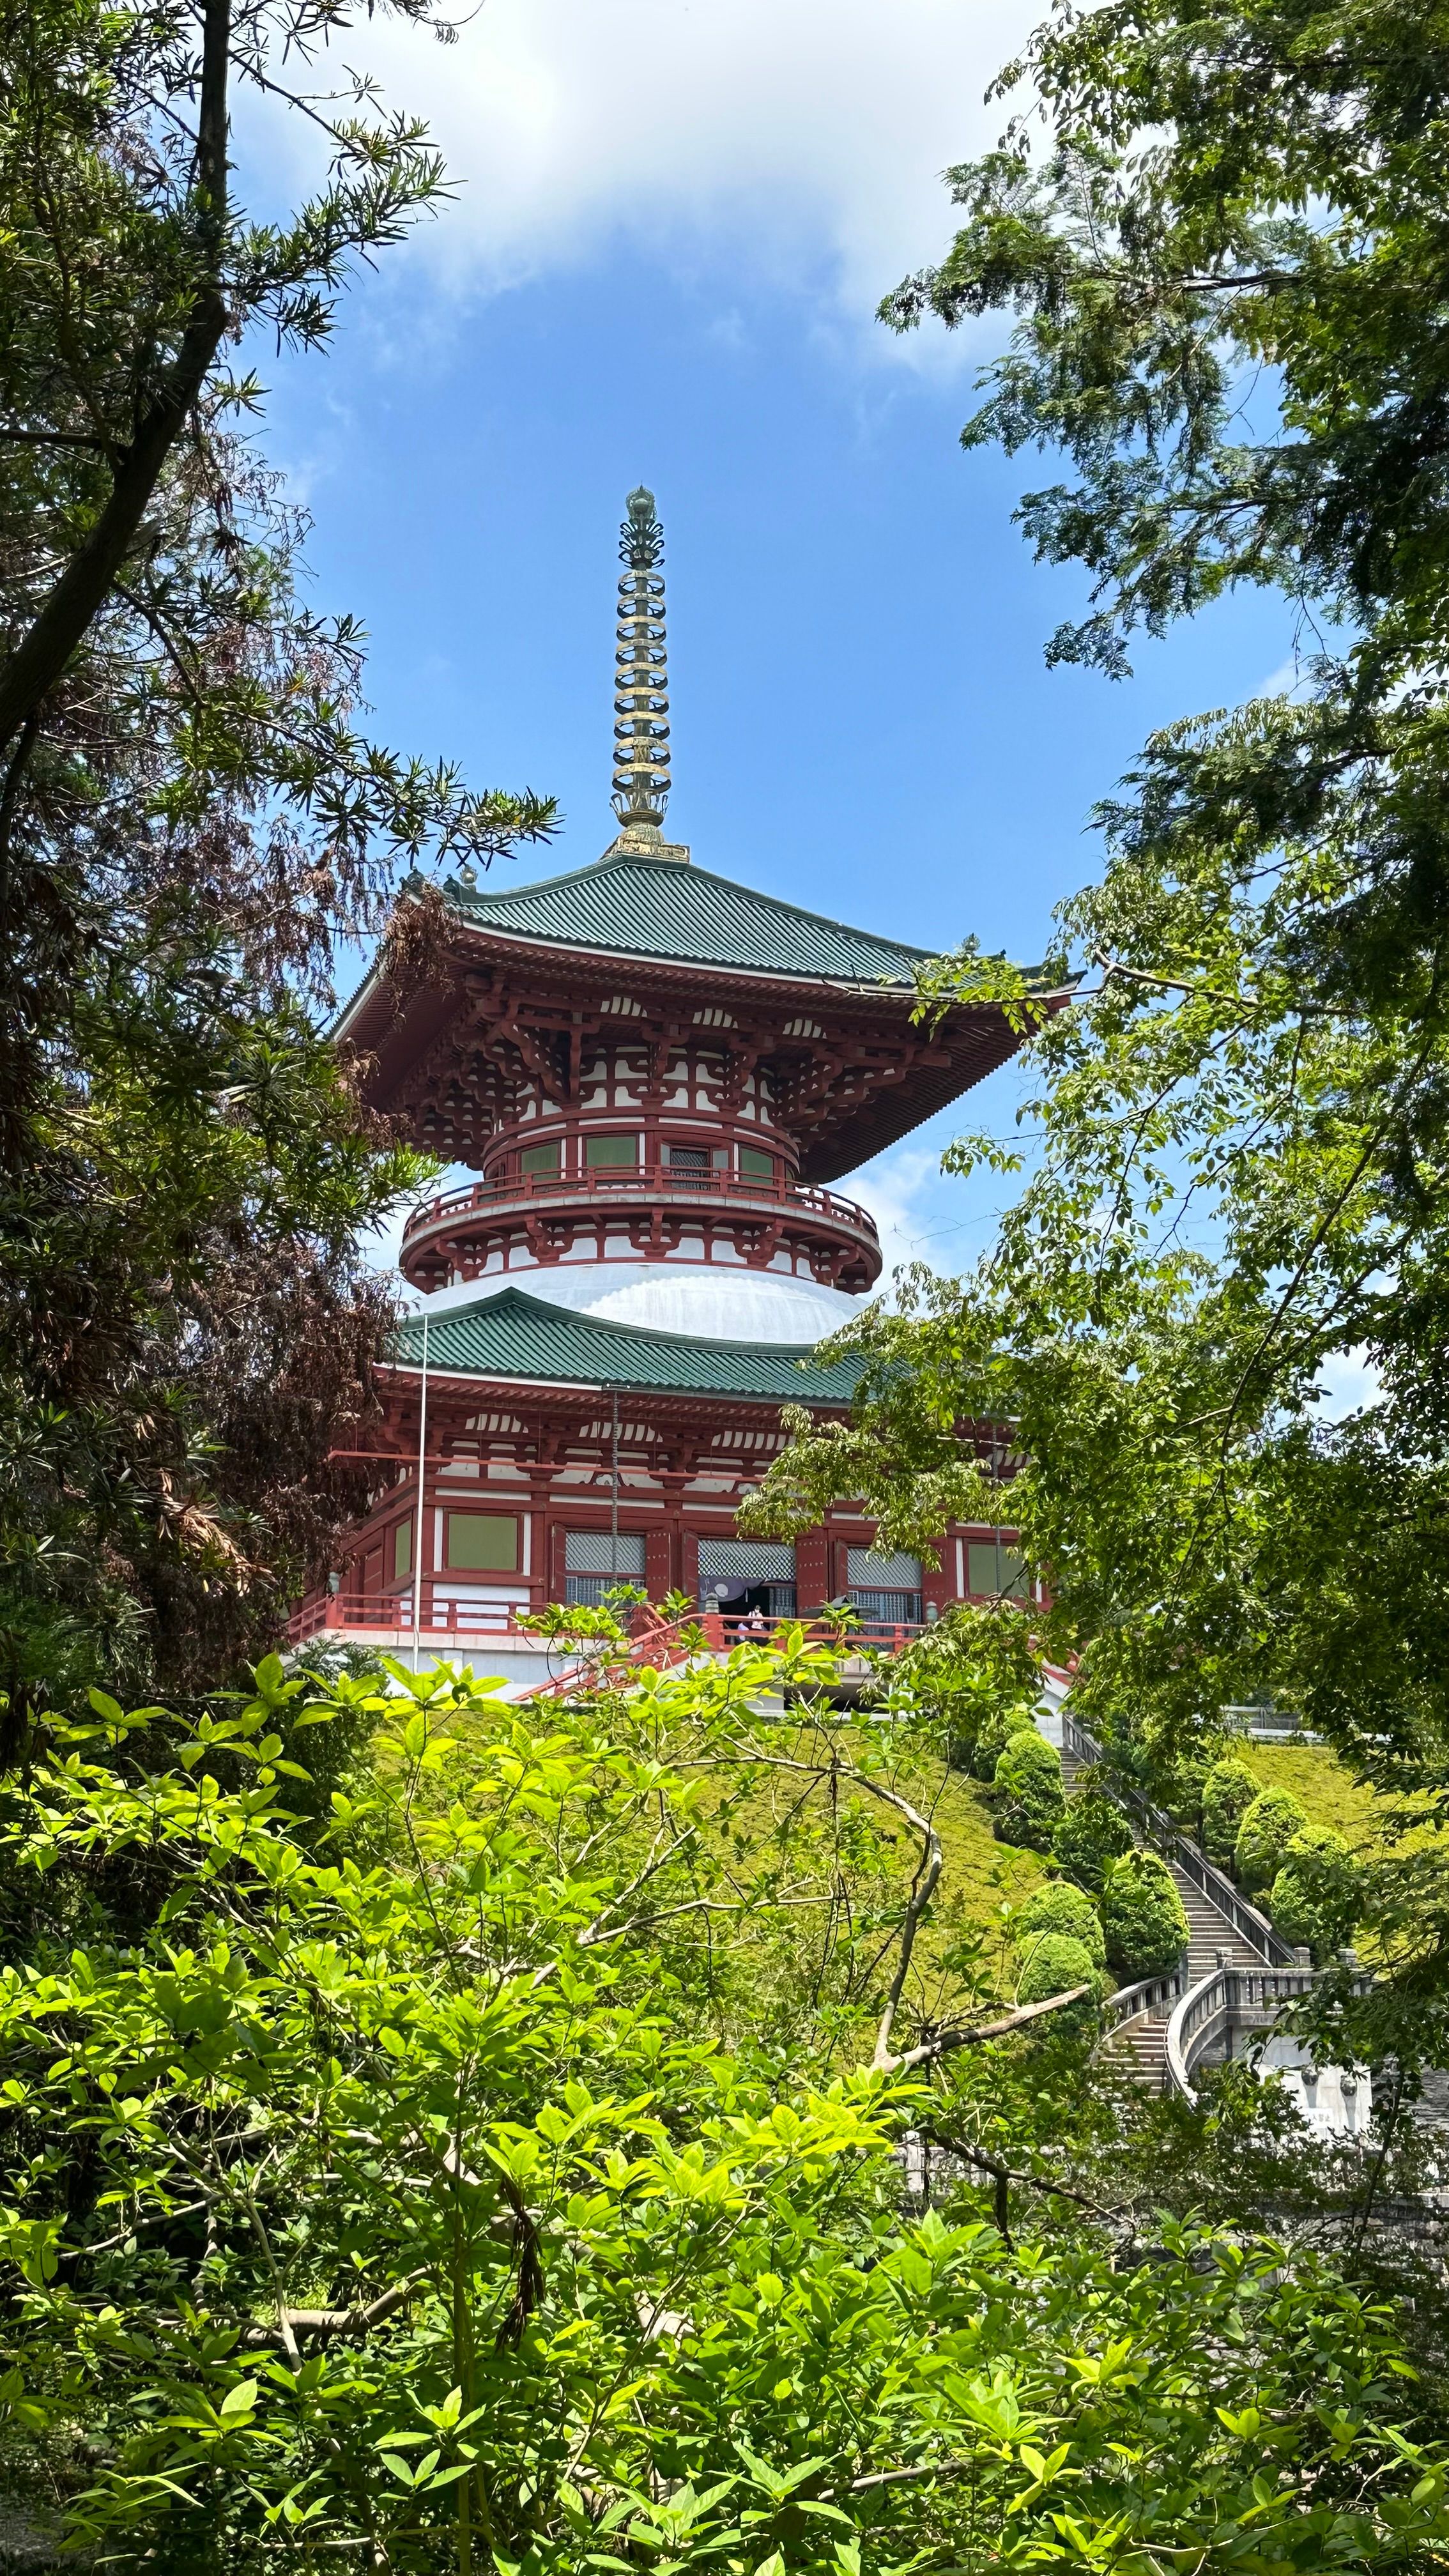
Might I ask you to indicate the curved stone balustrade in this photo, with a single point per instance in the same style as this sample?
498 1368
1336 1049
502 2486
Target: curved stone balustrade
1149 1995
1231 1998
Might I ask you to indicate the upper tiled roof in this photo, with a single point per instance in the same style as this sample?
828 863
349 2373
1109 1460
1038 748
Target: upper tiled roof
647 907
510 1335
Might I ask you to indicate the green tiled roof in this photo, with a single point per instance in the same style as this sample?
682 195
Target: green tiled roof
509 1335
646 907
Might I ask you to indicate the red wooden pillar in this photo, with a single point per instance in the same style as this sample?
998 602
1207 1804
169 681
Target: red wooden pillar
557 1567
658 1561
938 1586
812 1570
689 1562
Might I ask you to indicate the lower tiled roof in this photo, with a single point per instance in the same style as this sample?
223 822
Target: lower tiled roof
509 1335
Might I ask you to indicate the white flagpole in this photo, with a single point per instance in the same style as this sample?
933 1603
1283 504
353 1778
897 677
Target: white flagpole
422 1500
614 1489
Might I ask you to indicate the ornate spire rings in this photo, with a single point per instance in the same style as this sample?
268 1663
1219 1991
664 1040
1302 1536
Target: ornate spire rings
641 705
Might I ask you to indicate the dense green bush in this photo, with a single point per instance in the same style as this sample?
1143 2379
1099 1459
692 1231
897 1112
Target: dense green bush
1028 1781
1228 1792
1052 1966
981 1750
1061 1908
1267 1829
329 2047
1090 1836
1143 1919
1315 1893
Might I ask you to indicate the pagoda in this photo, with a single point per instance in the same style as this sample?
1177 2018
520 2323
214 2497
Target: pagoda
657 1075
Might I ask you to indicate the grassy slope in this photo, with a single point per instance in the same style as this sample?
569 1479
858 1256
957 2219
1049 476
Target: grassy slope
982 1877
1323 1785
982 1881
963 1949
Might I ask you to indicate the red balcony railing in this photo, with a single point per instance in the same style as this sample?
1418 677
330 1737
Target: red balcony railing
388 1617
661 1181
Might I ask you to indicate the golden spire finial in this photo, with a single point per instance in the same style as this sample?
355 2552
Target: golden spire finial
641 707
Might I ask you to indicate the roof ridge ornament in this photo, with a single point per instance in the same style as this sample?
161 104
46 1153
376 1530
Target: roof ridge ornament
641 680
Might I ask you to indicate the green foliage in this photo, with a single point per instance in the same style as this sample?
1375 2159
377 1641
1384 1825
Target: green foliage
1059 1907
1177 1786
1090 1836
1052 1965
977 1674
1143 1918
192 820
394 2194
1228 1792
996 1725
1315 1893
1204 204
1267 1828
921 1475
1028 1783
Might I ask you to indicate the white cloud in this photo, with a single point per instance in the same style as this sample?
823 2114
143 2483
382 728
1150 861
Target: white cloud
922 1214
803 138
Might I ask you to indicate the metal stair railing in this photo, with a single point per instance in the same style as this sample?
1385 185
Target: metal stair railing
1250 1926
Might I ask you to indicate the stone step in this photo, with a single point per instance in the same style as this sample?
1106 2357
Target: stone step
1145 2042
1210 1936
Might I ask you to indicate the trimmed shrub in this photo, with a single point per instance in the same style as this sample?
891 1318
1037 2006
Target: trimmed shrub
1178 1788
1089 1837
1053 1966
1061 1908
1315 1894
1228 1792
1028 1781
1267 1829
981 1750
1143 1919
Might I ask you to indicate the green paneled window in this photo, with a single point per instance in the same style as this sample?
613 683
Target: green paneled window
541 1158
402 1550
482 1543
755 1165
991 1569
610 1153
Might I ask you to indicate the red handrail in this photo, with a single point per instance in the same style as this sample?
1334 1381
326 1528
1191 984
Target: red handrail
330 1612
649 1179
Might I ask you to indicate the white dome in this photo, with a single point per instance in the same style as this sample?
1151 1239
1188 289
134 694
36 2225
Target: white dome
705 1300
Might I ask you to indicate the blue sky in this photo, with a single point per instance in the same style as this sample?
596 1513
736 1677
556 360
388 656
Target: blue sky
671 229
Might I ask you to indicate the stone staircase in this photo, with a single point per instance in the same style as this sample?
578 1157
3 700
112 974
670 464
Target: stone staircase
1211 1937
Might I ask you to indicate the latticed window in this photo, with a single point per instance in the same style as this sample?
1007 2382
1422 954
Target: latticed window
885 1588
596 1560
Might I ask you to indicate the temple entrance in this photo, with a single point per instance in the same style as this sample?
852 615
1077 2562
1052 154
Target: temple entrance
740 1577
744 1601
